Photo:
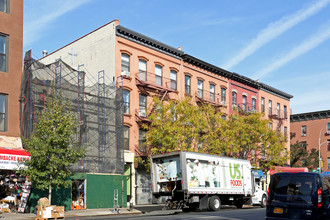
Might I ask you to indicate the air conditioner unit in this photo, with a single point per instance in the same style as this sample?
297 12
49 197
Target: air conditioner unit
328 132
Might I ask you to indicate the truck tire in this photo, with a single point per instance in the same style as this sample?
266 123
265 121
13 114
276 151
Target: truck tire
214 203
263 201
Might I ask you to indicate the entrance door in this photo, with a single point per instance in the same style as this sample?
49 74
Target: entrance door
128 174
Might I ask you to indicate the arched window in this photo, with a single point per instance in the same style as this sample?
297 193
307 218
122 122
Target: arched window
126 100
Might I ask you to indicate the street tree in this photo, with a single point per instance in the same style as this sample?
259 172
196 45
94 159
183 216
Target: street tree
179 125
52 147
300 156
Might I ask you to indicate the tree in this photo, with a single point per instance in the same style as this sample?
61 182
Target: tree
179 125
52 147
300 156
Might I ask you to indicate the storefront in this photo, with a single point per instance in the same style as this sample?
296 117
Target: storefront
14 189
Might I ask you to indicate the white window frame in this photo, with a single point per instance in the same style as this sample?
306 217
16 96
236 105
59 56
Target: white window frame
3 112
126 101
200 88
125 64
187 84
4 44
223 96
142 70
159 75
174 79
212 92
142 105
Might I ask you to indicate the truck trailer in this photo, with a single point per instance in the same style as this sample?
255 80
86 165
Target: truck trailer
203 181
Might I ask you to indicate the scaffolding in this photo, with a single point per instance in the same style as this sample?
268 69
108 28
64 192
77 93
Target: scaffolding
96 103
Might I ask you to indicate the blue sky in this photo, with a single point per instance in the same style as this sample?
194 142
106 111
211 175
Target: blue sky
283 43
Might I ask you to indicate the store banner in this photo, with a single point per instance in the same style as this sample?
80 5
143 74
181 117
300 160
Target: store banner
9 159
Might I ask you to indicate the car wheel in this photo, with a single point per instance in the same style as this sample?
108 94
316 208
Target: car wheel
263 201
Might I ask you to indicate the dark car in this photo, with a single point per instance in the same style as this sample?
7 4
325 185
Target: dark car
298 196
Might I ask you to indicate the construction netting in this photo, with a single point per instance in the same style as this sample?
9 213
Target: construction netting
96 102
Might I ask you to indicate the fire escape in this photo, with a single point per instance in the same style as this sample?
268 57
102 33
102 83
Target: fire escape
205 97
279 115
246 108
151 84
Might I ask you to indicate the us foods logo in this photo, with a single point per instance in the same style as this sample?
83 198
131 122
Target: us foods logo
235 174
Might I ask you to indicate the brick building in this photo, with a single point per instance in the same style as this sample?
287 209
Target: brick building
145 66
11 48
313 130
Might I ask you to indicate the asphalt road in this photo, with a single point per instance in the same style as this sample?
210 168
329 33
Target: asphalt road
226 213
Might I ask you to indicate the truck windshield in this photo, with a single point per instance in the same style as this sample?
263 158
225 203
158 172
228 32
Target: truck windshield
293 185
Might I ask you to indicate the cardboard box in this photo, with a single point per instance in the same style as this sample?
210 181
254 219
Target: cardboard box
43 202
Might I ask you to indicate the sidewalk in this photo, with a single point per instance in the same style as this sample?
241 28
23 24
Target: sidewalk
139 209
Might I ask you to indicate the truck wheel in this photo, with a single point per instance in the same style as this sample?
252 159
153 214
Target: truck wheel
214 203
239 203
263 201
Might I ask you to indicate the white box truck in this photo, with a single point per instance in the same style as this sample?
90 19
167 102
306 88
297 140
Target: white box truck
195 180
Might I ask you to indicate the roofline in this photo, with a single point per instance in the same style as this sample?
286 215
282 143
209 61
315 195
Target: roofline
217 70
147 41
115 20
268 88
309 116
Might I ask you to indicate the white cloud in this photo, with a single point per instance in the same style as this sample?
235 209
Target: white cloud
312 42
274 30
40 14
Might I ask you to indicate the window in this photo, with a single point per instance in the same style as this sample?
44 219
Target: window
271 126
278 108
4 6
285 112
303 145
328 128
187 84
223 96
3 112
143 105
244 102
125 64
254 107
303 130
270 107
328 163
159 74
126 137
142 140
212 92
143 70
262 104
200 89
328 145
3 52
234 98
173 80
126 101
285 133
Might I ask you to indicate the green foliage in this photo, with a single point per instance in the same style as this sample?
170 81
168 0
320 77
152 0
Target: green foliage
52 147
300 156
179 125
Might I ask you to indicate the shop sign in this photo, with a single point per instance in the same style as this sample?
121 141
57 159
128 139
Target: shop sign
10 161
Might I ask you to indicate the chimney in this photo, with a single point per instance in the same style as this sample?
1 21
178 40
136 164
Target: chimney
44 53
180 48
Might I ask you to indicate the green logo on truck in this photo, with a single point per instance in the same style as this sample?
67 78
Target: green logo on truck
235 173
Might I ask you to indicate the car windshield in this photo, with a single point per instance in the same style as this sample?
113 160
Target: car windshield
293 185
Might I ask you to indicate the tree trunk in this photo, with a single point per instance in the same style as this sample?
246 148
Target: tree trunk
50 191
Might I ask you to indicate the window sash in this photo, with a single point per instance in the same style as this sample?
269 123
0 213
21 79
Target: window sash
212 91
303 131
234 101
200 89
262 105
158 75
187 85
244 103
142 140
143 105
126 138
173 80
223 96
270 107
143 70
254 107
4 6
278 109
3 53
126 101
125 64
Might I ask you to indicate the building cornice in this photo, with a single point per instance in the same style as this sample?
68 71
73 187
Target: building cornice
270 89
147 41
310 116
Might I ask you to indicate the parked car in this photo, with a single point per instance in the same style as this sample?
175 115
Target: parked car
301 195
